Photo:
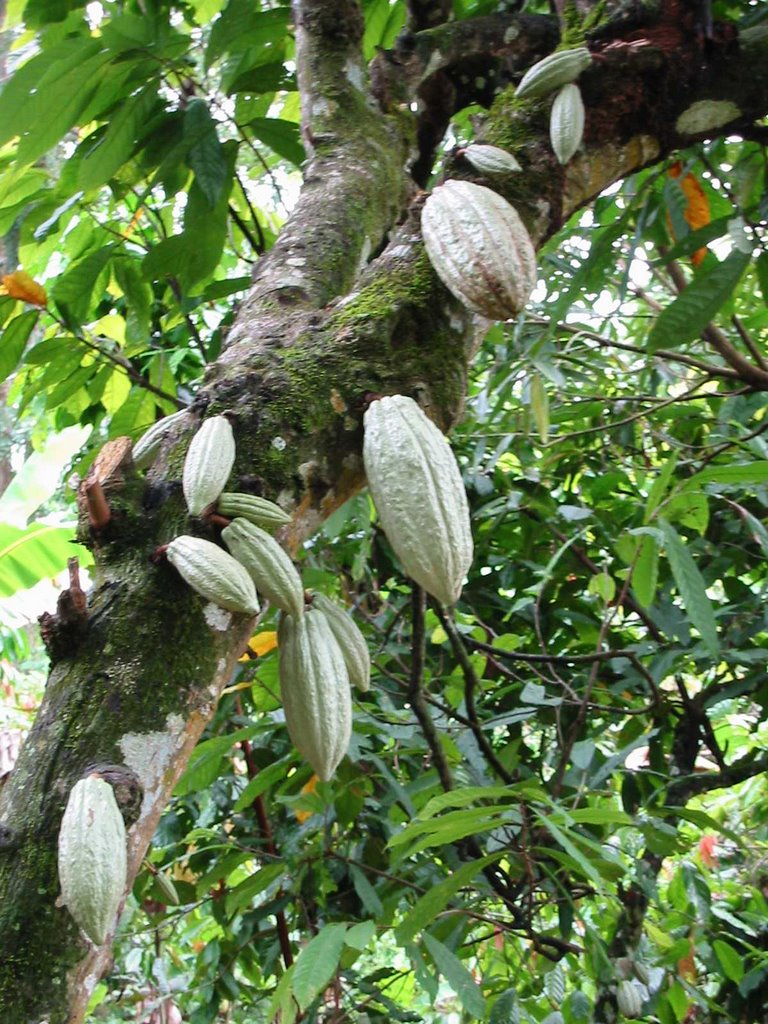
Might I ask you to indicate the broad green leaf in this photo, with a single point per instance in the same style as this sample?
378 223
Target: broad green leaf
734 474
540 406
761 263
689 508
646 571
457 976
434 901
244 894
281 136
36 553
73 290
260 783
461 797
240 27
584 862
115 145
206 155
506 1009
659 487
691 587
317 963
686 316
13 340
730 961
358 936
366 892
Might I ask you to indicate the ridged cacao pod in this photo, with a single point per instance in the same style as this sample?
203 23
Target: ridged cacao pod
566 123
418 491
209 462
315 690
558 68
214 574
629 1000
92 857
479 248
150 442
351 641
490 159
267 564
258 511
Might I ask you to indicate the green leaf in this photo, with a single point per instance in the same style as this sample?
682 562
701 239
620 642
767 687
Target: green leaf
260 783
734 474
39 552
366 892
457 976
317 963
691 587
659 488
116 144
506 1009
730 961
462 797
13 340
686 317
761 265
73 290
358 936
206 155
646 571
281 136
243 894
428 906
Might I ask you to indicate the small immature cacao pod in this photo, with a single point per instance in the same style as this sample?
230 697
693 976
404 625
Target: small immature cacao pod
214 574
150 442
556 69
267 564
490 160
315 690
629 1000
209 462
167 888
92 857
351 641
566 122
258 511
479 248
417 488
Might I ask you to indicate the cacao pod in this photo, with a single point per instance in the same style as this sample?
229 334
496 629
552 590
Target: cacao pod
351 641
629 1000
267 564
566 123
258 511
479 248
214 574
92 857
150 442
209 462
417 488
315 690
490 159
558 68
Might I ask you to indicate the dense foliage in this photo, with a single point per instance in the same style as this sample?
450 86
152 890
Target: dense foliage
558 785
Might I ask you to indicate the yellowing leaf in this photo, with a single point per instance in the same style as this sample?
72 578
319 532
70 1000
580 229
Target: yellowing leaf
263 643
696 212
19 285
309 787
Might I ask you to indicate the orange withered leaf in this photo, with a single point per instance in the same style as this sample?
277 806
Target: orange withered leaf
19 285
696 212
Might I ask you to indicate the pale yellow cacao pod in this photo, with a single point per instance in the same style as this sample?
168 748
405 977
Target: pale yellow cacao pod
209 462
150 442
92 857
268 565
554 70
258 511
479 248
315 690
417 488
629 1000
351 641
490 160
566 122
214 574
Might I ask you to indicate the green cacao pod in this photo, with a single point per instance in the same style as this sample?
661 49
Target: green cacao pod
351 641
209 462
490 160
418 491
566 122
150 442
267 564
479 248
214 574
629 1000
556 69
315 690
92 857
258 511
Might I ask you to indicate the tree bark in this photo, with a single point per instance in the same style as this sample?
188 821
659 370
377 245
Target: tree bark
133 684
